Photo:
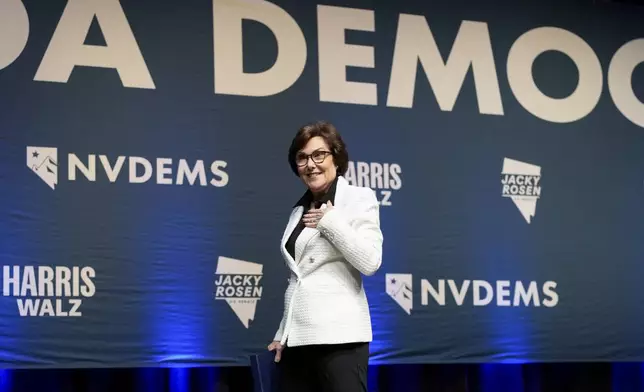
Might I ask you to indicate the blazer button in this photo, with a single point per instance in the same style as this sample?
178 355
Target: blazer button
311 260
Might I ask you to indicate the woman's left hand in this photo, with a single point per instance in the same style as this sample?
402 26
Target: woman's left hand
313 216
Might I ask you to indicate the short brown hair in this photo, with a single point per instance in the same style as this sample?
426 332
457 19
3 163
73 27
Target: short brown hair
330 134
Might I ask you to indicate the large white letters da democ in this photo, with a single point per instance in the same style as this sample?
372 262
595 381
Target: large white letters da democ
415 44
415 48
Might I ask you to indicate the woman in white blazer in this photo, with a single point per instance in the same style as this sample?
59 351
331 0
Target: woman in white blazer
332 238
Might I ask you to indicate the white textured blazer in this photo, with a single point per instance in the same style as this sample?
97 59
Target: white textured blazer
325 301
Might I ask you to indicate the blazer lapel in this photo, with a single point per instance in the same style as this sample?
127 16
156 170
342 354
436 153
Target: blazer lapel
303 241
295 217
340 192
309 234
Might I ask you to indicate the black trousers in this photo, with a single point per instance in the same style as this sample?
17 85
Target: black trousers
324 368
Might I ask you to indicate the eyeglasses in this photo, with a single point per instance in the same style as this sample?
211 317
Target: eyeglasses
318 156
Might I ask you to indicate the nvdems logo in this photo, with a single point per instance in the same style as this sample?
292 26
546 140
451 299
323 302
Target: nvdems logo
520 181
238 283
133 169
399 287
48 291
44 162
384 178
451 292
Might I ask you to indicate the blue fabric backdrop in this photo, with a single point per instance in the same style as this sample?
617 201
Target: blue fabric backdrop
596 377
145 185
